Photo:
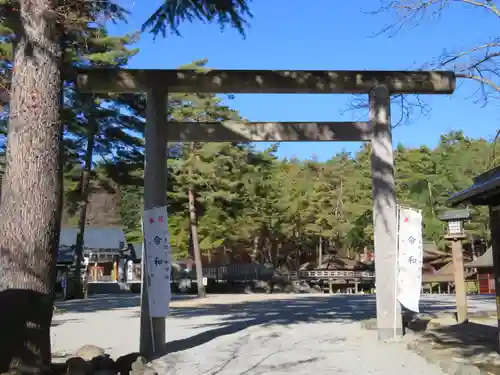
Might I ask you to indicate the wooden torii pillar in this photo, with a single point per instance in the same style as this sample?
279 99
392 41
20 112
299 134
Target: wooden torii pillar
380 85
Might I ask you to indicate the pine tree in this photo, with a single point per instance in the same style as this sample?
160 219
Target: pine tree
32 185
169 16
31 188
198 160
95 125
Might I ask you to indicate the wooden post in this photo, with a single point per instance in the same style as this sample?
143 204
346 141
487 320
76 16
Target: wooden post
460 289
155 193
495 244
389 319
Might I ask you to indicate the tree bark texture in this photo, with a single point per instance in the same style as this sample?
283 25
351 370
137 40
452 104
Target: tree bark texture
193 224
30 213
320 252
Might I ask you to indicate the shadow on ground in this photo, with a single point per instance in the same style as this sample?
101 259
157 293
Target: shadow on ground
472 338
107 302
472 341
287 311
475 341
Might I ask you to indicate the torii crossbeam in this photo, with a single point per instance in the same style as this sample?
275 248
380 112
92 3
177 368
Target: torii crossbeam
380 85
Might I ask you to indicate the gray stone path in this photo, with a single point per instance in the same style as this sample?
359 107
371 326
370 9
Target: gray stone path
236 335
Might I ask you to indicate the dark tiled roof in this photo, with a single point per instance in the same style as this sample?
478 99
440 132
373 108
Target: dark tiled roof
480 192
444 274
485 260
94 237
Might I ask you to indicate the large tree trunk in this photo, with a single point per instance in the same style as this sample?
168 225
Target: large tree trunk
255 254
193 221
30 213
320 253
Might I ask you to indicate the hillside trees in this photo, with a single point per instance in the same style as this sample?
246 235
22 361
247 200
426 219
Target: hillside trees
261 218
252 206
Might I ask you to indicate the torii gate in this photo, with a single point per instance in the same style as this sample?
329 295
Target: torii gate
380 85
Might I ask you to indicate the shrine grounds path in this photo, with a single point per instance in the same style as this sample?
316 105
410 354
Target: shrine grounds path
251 334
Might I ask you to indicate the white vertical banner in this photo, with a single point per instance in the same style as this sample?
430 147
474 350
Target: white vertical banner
410 257
157 260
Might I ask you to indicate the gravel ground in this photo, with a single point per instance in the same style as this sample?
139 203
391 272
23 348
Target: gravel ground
251 334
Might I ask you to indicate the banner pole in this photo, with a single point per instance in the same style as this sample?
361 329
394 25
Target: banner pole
146 331
145 284
396 288
409 275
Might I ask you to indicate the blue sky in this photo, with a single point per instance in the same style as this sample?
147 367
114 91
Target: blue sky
326 34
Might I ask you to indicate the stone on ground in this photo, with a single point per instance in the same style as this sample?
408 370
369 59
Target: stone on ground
89 352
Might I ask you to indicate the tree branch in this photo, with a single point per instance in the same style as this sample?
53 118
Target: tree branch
479 63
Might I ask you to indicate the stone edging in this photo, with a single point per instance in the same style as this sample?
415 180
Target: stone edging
450 366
